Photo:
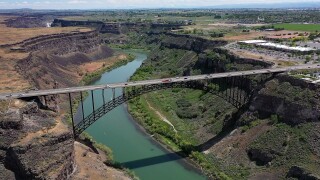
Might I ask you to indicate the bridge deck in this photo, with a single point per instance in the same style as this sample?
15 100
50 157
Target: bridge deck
155 81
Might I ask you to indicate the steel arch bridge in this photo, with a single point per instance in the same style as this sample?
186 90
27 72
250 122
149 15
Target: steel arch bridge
235 90
235 87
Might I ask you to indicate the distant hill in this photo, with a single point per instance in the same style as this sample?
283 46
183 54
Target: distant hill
269 6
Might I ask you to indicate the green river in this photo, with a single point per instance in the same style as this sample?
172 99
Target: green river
131 146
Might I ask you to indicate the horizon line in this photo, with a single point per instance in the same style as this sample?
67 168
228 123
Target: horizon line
259 5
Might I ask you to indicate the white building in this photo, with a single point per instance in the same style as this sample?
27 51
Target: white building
316 75
276 46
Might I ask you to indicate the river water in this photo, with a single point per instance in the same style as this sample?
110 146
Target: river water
131 146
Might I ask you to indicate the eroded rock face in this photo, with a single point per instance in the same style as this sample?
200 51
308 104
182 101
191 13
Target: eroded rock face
187 42
291 101
54 58
301 173
49 157
261 157
31 149
289 112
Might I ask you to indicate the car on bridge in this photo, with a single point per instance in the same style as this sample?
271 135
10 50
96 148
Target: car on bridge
166 80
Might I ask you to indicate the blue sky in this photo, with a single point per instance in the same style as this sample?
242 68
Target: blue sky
125 4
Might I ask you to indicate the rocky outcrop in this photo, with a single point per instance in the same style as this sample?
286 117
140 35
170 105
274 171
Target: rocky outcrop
49 157
28 21
29 150
68 23
99 25
187 42
222 58
211 58
45 70
293 101
261 157
64 44
42 41
53 57
300 173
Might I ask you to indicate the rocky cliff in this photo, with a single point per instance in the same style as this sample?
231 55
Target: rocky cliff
206 54
35 143
44 70
64 43
31 148
294 101
187 42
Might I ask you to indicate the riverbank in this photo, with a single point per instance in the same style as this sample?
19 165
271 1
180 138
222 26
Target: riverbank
169 101
96 74
166 144
163 133
103 155
132 147
100 158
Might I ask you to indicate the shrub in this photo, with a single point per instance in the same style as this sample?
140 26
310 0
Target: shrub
186 113
183 103
274 119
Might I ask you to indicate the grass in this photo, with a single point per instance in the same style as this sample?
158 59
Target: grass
299 27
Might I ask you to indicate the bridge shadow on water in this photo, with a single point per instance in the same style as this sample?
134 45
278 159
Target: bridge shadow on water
174 156
181 155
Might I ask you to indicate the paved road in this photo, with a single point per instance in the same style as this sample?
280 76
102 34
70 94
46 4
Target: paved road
155 81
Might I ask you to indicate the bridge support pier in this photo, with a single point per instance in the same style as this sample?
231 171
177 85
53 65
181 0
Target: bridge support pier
113 93
71 114
93 109
82 109
45 101
104 101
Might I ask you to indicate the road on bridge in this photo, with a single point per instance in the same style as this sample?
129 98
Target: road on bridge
155 81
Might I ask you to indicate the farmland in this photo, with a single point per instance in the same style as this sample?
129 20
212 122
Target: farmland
299 27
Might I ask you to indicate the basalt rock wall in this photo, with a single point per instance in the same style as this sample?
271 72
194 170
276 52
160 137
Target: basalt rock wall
53 58
187 42
64 43
67 23
293 100
44 70
203 47
25 155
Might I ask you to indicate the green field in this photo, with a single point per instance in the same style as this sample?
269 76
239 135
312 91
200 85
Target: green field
299 27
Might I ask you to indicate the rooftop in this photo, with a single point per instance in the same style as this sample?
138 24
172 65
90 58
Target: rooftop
253 41
277 46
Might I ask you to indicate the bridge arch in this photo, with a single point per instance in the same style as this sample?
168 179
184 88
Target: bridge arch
235 90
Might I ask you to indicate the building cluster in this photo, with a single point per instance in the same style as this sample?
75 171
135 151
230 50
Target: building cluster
277 46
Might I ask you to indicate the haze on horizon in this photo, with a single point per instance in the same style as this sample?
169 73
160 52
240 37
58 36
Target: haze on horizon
131 4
